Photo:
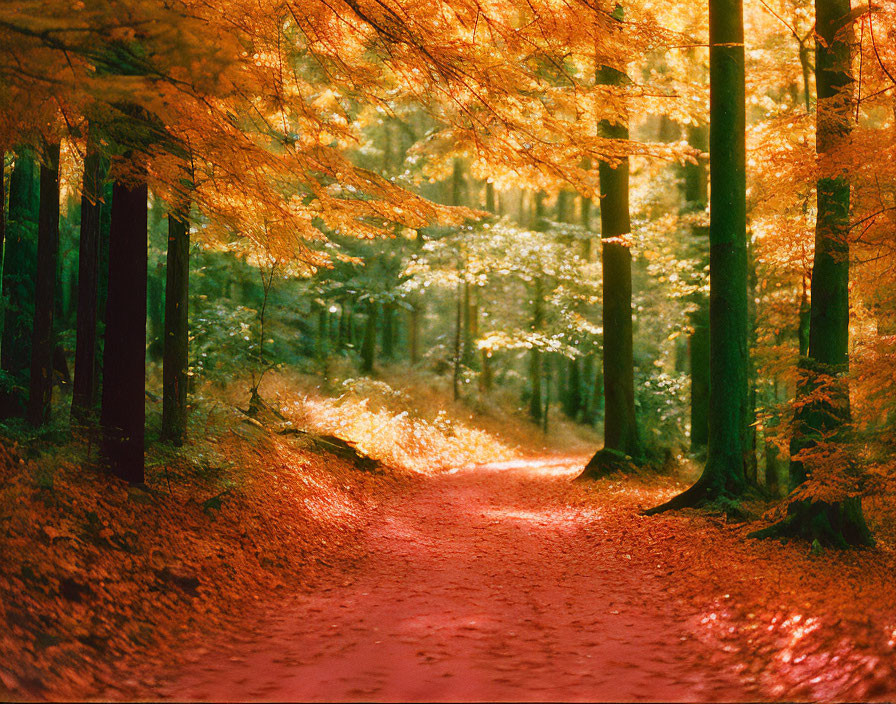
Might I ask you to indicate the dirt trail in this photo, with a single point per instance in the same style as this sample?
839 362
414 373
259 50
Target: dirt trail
481 585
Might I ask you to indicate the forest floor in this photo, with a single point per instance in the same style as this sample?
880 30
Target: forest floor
253 567
508 582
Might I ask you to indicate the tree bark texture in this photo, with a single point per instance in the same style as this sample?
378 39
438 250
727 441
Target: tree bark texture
175 355
123 408
84 393
42 338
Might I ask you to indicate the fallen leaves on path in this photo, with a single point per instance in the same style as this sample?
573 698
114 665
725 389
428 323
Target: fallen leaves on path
508 582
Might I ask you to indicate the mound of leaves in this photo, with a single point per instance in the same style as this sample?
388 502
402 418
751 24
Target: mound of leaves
101 580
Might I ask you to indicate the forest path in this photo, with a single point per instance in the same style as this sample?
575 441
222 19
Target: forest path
484 584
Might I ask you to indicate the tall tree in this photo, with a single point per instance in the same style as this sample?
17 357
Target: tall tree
621 437
20 254
42 340
724 474
824 415
695 194
175 358
2 227
123 410
368 344
536 370
84 393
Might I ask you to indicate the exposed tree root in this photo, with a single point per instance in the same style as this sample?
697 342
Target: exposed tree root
695 496
606 462
259 408
840 524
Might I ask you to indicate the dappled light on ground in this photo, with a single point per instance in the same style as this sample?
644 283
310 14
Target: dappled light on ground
494 582
506 581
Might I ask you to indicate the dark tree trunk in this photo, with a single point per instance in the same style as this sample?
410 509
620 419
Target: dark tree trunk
84 393
2 231
695 196
725 472
342 335
458 339
621 437
470 325
564 206
368 345
592 386
585 220
490 197
414 333
620 421
535 361
42 339
123 410
18 283
388 331
548 373
102 286
803 329
699 369
827 419
535 390
487 378
322 336
175 357
572 398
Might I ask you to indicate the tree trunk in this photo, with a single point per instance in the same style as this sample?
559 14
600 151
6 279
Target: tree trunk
487 378
725 472
84 393
458 339
123 410
388 331
490 197
102 286
414 333
2 231
42 339
175 355
18 283
322 336
827 419
696 193
535 362
471 323
548 373
368 345
586 207
699 372
803 329
572 398
621 435
535 372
